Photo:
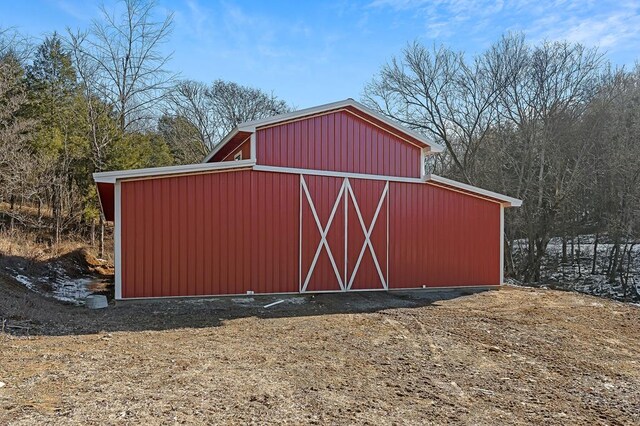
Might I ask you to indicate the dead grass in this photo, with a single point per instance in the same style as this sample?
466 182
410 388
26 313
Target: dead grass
517 356
25 245
35 242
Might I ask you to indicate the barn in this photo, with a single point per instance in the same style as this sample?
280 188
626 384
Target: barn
333 198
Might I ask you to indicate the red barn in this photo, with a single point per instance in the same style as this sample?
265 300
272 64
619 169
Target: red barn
327 199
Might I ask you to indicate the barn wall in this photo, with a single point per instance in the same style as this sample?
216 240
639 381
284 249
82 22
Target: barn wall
440 237
107 201
239 141
196 235
230 232
338 141
245 148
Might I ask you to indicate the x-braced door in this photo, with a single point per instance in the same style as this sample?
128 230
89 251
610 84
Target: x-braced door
344 234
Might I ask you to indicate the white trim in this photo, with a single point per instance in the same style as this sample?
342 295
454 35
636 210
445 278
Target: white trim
323 234
501 245
511 202
423 166
253 154
367 235
391 290
346 232
117 239
251 126
388 202
111 177
503 199
313 172
300 242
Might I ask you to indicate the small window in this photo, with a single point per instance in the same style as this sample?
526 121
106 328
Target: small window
238 156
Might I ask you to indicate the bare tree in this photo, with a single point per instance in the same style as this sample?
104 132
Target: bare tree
614 194
544 104
190 123
511 120
97 111
96 115
130 68
14 129
439 93
199 116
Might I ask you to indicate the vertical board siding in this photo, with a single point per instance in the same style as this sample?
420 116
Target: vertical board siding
324 193
107 199
238 231
338 141
440 237
206 234
245 149
367 194
239 142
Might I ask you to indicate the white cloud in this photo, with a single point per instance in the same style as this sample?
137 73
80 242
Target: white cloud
81 13
609 24
607 30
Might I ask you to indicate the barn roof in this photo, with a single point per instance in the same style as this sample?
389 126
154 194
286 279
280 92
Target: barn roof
106 180
469 189
349 104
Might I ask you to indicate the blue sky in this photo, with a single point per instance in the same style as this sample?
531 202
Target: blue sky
314 52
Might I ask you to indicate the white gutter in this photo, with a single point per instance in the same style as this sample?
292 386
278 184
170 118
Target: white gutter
110 177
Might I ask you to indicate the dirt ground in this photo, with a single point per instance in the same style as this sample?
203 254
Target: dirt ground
514 356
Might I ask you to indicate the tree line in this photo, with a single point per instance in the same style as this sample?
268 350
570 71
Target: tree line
101 99
552 123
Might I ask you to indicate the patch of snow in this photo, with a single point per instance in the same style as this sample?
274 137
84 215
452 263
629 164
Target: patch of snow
72 290
576 275
25 281
57 285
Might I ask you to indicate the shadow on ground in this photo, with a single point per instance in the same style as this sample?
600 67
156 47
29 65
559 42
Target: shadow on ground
26 312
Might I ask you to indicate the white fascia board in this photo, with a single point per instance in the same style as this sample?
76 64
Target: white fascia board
315 172
509 201
251 126
111 177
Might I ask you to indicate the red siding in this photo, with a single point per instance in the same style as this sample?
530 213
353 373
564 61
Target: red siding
439 237
324 192
105 192
338 141
245 148
239 141
230 232
367 194
194 235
